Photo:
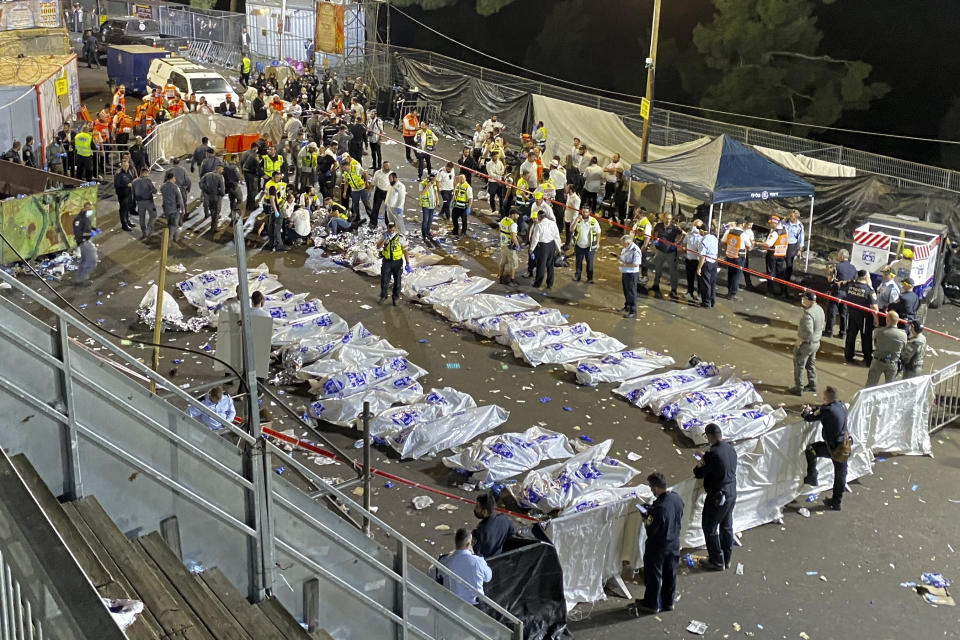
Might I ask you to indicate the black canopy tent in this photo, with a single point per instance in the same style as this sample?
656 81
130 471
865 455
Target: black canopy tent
724 170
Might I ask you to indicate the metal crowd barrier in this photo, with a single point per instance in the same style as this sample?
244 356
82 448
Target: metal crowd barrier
946 397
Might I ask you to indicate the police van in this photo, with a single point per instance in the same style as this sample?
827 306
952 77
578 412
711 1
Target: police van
188 77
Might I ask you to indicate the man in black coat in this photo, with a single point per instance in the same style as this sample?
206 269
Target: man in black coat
251 175
832 415
718 470
122 183
661 555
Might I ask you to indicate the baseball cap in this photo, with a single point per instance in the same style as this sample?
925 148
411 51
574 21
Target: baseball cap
774 219
908 281
809 295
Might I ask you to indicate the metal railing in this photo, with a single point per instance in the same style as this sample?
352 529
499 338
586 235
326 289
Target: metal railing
100 411
946 397
16 611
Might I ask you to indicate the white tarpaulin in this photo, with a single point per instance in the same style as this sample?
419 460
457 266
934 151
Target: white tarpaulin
573 350
617 367
735 425
505 455
498 327
351 356
449 431
450 291
523 341
343 411
602 131
357 379
435 405
802 164
482 305
178 137
647 389
209 290
895 416
430 276
323 344
308 327
731 395
558 485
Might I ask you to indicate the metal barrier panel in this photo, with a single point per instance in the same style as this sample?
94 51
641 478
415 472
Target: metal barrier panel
946 397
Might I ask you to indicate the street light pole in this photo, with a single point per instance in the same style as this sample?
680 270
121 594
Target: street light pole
651 74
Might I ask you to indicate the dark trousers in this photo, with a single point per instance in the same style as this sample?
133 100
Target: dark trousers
717 523
459 217
746 276
376 158
92 60
659 577
822 450
446 197
85 168
211 209
495 190
379 197
148 215
629 282
544 252
860 324
126 208
274 231
423 158
390 269
708 283
776 268
252 188
358 196
835 309
788 263
665 263
582 254
408 146
733 276
692 275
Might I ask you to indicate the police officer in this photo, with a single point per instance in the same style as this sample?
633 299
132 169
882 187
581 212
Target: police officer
172 204
707 267
860 323
832 415
908 303
776 242
210 163
143 191
231 182
809 331
250 165
794 229
390 247
889 290
183 182
122 181
662 551
911 358
83 231
718 470
200 153
839 278
888 344
213 188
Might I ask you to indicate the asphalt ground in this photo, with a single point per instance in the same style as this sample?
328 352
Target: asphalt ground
886 534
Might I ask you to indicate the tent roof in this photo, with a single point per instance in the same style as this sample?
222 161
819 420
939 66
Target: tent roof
723 170
31 70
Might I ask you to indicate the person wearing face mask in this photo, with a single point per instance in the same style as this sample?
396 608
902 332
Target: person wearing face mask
83 232
493 530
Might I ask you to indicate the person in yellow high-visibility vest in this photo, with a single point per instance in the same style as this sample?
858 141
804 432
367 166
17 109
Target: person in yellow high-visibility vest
245 66
83 147
425 141
462 203
271 162
355 177
390 247
509 247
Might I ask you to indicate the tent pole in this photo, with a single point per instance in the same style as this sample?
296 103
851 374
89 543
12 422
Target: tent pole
710 219
720 217
806 263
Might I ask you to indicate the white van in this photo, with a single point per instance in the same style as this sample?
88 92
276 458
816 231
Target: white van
188 77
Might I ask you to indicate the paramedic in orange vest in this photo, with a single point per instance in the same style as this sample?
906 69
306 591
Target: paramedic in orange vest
170 91
410 127
735 246
176 107
776 243
276 104
119 99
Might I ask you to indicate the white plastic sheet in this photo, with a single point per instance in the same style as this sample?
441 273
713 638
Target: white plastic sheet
430 276
525 340
499 326
209 290
618 367
603 497
351 357
449 291
343 411
895 416
449 431
573 350
647 389
735 425
482 305
505 455
357 379
437 404
124 612
323 344
731 395
559 485
308 327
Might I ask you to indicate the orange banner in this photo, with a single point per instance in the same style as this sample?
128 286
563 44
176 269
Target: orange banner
328 34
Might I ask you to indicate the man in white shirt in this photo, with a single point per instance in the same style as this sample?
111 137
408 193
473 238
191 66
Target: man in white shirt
219 403
374 138
299 227
585 158
445 180
530 167
571 209
545 242
381 186
593 181
748 239
509 247
466 565
611 174
575 155
495 188
629 263
692 242
494 126
396 196
479 138
291 126
586 241
707 267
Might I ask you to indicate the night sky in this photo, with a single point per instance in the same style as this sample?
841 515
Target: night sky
911 46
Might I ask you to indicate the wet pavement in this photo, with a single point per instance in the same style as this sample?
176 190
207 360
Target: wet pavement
886 534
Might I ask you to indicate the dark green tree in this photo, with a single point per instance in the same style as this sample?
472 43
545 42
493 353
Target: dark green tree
761 57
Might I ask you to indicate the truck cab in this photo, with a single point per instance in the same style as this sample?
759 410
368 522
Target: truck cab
189 78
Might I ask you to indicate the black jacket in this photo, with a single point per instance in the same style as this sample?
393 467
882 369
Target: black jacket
121 183
81 228
259 109
833 421
719 470
199 154
663 522
906 306
491 534
252 165
231 177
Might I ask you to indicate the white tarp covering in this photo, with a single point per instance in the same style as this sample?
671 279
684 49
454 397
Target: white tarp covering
731 395
499 326
357 379
208 291
450 291
895 416
178 137
558 485
308 327
323 344
735 425
561 353
525 340
449 431
430 276
603 132
435 405
618 367
351 356
505 455
344 411
802 164
647 389
482 305
593 543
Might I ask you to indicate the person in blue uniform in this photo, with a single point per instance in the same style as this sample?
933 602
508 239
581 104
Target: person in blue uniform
834 444
662 552
718 470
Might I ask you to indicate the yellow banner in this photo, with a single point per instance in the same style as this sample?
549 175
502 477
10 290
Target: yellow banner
328 34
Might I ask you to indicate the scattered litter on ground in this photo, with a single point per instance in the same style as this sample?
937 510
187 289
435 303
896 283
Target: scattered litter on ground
697 627
422 502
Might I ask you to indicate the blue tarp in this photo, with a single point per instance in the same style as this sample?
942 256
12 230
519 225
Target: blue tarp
723 170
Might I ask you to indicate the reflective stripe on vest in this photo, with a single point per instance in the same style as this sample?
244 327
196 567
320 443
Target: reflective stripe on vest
507 228
355 175
639 228
523 189
392 249
430 141
271 165
425 200
780 246
594 233
460 194
246 64
82 144
734 243
281 190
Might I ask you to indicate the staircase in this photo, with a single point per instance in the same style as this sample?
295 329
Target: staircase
80 409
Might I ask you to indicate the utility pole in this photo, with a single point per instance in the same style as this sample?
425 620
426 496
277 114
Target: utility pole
651 74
